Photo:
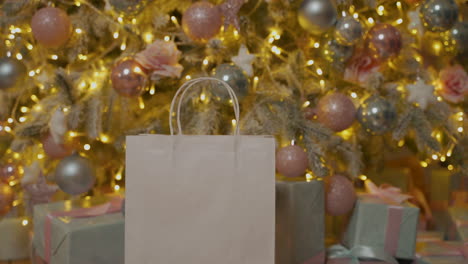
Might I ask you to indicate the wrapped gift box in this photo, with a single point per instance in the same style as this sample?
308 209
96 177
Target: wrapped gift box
14 239
300 222
78 240
383 227
441 252
458 223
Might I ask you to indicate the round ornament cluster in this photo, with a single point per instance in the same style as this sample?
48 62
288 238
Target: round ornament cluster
317 16
202 21
291 161
128 78
75 174
377 115
439 15
385 40
11 72
51 27
336 111
235 77
340 195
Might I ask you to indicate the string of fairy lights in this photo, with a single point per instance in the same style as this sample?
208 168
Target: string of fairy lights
100 74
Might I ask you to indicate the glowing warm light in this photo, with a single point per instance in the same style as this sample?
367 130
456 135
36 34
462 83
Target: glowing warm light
22 119
174 20
399 21
120 19
188 77
439 98
78 30
435 157
205 62
401 143
371 20
423 164
353 95
25 222
343 13
234 122
356 15
19 56
54 57
134 21
115 35
148 37
306 104
276 50
32 73
118 176
29 46
10 120
316 45
104 138
123 46
202 97
82 57
310 62
167 38
40 156
442 158
380 10
11 36
141 103
363 177
116 187
93 85
319 71
152 90
398 4
7 129
460 129
87 147
450 167
449 153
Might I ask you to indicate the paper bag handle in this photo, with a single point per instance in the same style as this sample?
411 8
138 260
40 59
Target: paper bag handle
186 86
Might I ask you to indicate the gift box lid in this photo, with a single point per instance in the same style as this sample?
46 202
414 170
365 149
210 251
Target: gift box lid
63 227
14 238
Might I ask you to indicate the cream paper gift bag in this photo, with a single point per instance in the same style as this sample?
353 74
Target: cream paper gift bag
200 199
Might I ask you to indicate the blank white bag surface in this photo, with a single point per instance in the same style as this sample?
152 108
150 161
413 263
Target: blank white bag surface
200 199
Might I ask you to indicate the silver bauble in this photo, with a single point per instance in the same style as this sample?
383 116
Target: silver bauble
235 77
459 33
348 31
75 174
317 16
439 15
128 6
377 115
11 72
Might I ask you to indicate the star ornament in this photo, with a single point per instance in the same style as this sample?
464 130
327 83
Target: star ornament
421 93
244 60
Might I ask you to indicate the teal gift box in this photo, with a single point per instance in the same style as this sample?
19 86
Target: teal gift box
382 227
441 252
14 238
71 239
458 229
300 222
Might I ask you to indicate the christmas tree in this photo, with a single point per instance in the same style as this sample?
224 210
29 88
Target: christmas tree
341 85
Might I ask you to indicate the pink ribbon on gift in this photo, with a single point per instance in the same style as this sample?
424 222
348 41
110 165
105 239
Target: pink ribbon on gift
113 206
387 193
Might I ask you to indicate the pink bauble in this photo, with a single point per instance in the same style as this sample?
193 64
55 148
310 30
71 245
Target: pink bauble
128 78
202 21
336 111
291 161
54 150
340 196
384 40
8 172
7 196
51 27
